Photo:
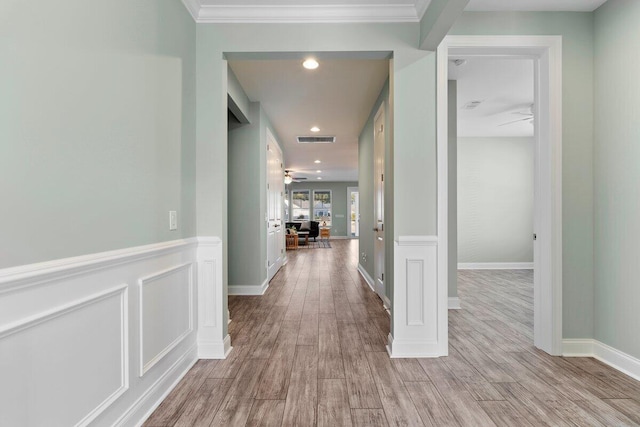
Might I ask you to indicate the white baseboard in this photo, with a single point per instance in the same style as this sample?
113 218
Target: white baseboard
248 289
454 303
211 350
154 395
411 349
623 362
339 237
495 266
367 278
386 302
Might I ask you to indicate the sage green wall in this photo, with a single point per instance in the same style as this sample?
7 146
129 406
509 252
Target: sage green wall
247 183
97 126
576 29
617 174
338 202
495 199
245 222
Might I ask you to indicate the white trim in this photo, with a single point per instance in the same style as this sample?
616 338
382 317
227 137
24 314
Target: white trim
615 358
341 238
248 289
367 278
292 13
133 415
386 303
411 349
212 344
454 303
123 292
143 368
495 266
213 350
577 347
14 278
417 240
536 6
547 53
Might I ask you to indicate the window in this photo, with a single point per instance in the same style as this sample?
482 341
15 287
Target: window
322 207
300 206
287 207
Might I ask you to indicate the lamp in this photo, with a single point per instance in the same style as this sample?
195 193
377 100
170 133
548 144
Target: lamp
287 178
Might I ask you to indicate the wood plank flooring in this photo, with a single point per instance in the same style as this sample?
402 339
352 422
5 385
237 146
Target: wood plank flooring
311 352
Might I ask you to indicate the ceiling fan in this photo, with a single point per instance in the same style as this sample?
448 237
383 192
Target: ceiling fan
288 178
528 116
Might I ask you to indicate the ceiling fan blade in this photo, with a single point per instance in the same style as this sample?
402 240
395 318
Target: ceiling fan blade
516 121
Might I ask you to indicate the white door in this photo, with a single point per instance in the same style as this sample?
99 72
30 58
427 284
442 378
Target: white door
275 194
378 195
353 201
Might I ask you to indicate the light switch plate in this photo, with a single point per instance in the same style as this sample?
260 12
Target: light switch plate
173 220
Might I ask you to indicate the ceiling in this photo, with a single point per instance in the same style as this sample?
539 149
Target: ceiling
505 88
337 97
357 10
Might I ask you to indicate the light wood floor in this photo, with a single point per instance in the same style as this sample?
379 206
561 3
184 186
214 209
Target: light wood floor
311 351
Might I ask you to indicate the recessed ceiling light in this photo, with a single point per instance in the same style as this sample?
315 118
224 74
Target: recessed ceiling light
310 64
319 177
317 161
315 129
318 171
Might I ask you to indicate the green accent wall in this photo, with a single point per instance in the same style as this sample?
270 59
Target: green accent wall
617 175
247 184
576 29
97 126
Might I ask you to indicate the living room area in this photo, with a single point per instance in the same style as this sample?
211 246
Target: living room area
317 212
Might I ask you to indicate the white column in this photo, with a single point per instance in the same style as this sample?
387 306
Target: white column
212 343
417 331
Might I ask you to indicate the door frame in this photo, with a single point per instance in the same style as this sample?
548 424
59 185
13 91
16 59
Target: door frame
351 190
382 289
270 139
547 54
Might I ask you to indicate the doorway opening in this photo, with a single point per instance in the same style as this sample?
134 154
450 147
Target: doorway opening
353 202
319 119
545 52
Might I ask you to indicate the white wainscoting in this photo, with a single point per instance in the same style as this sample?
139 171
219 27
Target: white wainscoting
416 328
71 329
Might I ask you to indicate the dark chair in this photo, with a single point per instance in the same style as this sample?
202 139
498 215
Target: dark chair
314 228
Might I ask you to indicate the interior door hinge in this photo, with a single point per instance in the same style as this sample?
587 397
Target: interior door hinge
382 177
535 236
383 277
267 186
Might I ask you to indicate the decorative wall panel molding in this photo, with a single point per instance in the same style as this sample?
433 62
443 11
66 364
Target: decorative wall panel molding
416 329
70 328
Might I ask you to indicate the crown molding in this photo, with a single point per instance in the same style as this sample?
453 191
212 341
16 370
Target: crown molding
341 13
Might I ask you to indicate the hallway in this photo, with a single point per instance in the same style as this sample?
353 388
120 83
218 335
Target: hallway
311 351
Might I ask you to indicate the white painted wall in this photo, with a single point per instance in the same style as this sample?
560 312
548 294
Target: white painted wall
495 200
